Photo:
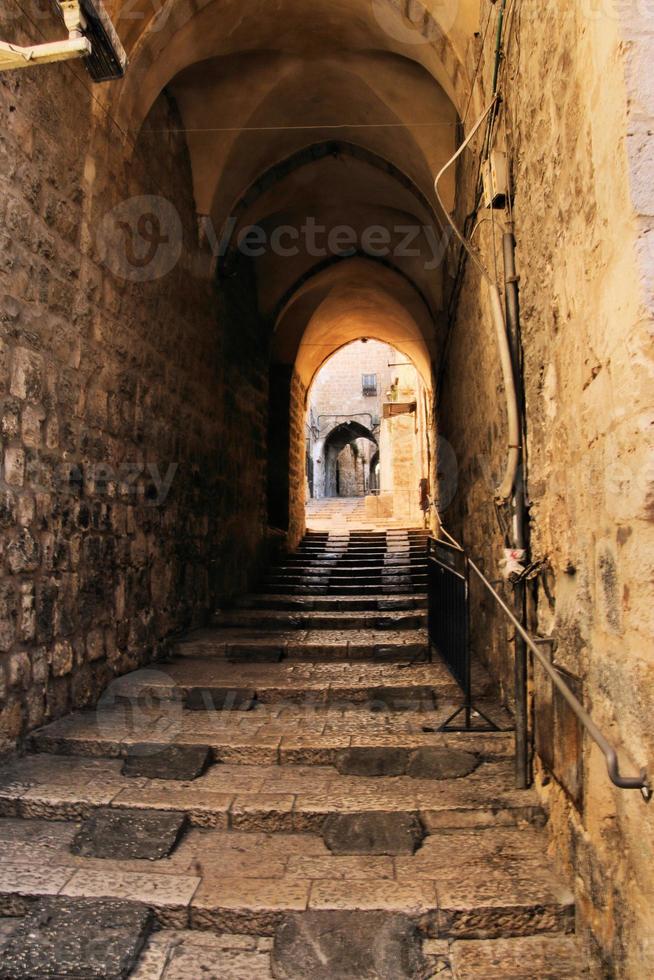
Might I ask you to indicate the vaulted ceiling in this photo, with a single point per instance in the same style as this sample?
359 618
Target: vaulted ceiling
334 112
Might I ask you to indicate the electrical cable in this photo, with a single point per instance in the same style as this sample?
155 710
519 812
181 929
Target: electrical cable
478 67
321 126
505 489
462 239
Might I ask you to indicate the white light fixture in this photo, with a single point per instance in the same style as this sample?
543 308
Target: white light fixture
495 177
91 36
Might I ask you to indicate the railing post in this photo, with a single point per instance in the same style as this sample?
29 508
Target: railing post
522 753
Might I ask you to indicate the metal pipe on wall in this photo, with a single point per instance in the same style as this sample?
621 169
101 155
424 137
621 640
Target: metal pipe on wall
519 535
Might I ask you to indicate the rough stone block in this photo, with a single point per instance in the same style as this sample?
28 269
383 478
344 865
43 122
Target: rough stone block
372 762
31 425
237 654
433 762
23 553
95 648
123 835
18 670
179 762
344 945
14 468
374 832
61 658
70 939
27 374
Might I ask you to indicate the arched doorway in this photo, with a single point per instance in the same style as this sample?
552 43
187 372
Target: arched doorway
368 434
346 456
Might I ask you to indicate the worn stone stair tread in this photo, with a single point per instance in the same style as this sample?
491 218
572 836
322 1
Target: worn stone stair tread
272 733
348 579
270 798
545 957
187 954
337 573
356 549
310 644
344 560
461 883
326 603
290 679
321 619
318 588
353 561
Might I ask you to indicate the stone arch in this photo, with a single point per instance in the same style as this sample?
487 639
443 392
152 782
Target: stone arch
307 156
354 300
343 435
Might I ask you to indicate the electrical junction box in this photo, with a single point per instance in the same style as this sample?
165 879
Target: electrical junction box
495 177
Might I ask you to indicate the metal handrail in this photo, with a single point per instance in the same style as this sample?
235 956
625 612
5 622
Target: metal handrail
640 782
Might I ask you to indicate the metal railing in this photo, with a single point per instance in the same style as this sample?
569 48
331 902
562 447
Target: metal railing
640 782
448 580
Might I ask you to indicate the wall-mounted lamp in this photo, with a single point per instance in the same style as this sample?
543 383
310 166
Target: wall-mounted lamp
91 36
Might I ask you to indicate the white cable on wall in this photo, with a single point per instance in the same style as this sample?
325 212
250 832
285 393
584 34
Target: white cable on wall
504 491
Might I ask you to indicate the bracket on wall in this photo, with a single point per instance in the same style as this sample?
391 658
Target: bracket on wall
91 36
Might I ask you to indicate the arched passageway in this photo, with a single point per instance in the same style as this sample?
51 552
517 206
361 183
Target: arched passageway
258 192
346 461
369 431
348 300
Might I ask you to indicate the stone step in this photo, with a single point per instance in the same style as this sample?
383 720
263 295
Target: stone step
339 570
334 576
270 735
319 587
360 550
311 619
348 558
388 574
460 885
345 532
345 560
305 603
517 957
218 683
363 554
267 799
343 566
559 957
320 644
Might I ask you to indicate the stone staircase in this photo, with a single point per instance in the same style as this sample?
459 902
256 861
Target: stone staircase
276 801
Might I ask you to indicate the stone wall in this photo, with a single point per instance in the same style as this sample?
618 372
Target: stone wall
579 118
296 483
336 397
337 390
129 432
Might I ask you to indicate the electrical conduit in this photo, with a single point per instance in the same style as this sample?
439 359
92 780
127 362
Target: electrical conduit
505 489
